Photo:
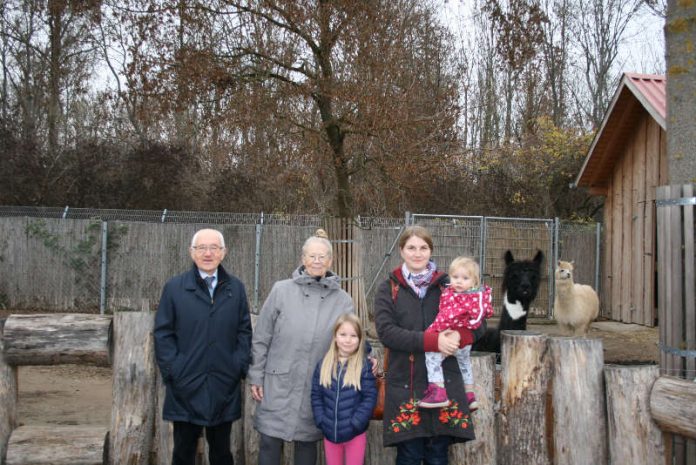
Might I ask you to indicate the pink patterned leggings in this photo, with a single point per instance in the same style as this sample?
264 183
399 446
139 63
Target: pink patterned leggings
354 451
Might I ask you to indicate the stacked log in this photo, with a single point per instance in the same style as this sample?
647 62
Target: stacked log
134 381
57 445
524 383
633 436
57 338
579 417
673 405
8 399
482 450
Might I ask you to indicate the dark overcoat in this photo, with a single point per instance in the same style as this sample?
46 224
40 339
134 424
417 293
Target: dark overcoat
401 318
203 347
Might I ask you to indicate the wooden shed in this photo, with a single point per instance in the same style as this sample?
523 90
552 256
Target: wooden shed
625 163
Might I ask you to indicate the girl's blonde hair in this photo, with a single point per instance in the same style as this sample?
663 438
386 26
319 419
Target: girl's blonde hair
470 265
354 364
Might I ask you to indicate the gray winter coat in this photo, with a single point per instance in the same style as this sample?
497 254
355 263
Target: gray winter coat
292 334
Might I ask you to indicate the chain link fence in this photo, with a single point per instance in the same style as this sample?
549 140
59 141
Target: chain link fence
92 260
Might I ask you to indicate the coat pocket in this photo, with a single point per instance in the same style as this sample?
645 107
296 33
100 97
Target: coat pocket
277 385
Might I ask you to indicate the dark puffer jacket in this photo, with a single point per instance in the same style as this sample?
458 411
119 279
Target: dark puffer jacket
340 412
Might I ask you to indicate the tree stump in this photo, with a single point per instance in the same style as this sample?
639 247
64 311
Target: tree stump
57 445
673 405
578 402
482 450
8 399
375 452
133 405
524 384
633 436
57 338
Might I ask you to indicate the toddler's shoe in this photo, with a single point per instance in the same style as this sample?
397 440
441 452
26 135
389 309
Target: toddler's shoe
434 397
471 399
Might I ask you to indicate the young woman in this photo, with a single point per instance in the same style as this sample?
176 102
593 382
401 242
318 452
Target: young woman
344 394
405 305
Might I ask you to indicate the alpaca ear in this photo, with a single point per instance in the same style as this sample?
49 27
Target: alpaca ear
509 258
572 262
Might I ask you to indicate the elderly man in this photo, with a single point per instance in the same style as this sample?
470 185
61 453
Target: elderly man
202 343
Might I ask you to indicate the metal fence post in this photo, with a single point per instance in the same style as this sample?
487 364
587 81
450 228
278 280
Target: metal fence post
482 248
555 251
598 256
257 263
102 284
65 212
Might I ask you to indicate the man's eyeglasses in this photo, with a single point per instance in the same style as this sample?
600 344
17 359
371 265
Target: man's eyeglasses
316 258
201 249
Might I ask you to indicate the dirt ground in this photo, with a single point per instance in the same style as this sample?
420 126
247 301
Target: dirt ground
71 394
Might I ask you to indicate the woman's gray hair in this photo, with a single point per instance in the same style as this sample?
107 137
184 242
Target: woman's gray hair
195 236
319 237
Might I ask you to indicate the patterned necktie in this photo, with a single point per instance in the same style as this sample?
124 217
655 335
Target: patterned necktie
209 280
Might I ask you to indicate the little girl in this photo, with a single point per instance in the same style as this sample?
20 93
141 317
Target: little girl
462 305
344 394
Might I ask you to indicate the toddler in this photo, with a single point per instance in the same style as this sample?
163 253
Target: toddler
463 304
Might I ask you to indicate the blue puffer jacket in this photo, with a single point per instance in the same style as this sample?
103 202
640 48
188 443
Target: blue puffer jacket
342 413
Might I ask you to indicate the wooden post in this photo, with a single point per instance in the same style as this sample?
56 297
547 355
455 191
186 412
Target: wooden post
375 452
57 338
482 450
673 405
133 405
633 436
8 399
579 416
522 420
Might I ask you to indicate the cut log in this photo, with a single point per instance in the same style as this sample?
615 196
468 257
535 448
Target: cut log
164 441
633 436
8 399
56 445
375 452
57 338
524 384
579 415
482 450
134 383
673 405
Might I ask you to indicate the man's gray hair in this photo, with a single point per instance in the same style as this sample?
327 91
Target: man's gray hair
195 236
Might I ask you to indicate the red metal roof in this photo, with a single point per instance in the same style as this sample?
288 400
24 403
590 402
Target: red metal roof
635 91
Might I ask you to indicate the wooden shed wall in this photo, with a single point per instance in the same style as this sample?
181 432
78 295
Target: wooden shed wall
628 272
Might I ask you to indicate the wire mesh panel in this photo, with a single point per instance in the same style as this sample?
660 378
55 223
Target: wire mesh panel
48 263
578 242
453 236
523 238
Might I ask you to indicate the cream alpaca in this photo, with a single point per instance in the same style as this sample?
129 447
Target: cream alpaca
575 305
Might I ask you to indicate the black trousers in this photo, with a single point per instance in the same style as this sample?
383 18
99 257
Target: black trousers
270 450
186 439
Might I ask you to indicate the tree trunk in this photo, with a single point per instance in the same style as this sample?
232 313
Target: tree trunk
633 436
579 416
673 405
8 399
482 450
522 420
54 339
133 405
680 34
57 445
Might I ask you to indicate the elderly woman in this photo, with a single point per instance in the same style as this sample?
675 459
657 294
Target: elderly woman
292 334
405 305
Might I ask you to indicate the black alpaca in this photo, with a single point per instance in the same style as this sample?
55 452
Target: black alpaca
520 286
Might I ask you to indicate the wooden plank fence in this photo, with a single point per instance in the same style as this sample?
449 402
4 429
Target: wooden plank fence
550 388
677 294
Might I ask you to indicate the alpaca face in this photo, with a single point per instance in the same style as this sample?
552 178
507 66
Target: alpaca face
521 279
564 270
